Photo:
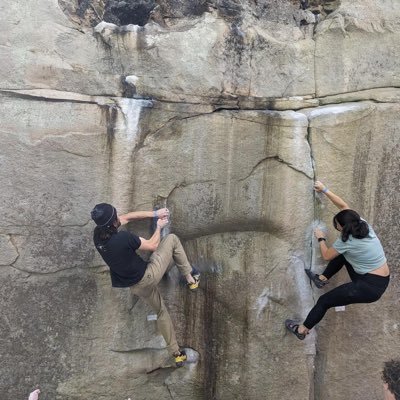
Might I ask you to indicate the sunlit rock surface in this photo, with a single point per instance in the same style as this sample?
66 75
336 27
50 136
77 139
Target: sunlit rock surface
225 112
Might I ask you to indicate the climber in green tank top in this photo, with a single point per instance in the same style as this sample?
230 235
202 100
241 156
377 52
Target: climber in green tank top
360 251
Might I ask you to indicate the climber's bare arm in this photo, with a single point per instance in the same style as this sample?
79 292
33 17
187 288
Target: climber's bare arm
135 215
327 253
334 198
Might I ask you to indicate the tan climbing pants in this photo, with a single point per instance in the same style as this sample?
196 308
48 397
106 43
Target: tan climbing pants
168 252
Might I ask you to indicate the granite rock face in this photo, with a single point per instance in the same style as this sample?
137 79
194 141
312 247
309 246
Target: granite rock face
225 112
365 177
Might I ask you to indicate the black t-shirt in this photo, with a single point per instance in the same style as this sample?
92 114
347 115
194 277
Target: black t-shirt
119 253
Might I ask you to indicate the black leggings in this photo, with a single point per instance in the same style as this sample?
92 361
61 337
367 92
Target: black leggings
362 289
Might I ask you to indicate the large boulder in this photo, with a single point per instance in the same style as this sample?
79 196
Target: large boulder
103 151
194 108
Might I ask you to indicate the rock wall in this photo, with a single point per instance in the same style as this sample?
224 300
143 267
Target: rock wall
226 112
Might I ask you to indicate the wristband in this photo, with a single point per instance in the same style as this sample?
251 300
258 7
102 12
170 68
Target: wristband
324 190
321 239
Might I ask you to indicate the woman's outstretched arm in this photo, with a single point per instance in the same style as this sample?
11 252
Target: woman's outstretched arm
335 199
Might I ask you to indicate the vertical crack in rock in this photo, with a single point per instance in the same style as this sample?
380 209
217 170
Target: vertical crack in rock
312 357
315 198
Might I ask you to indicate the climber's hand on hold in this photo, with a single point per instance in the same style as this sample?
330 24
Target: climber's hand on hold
319 186
319 233
162 213
162 222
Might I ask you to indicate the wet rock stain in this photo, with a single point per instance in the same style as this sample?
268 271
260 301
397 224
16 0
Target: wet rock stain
109 118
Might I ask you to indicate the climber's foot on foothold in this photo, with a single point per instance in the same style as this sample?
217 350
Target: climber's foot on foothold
180 358
318 282
293 327
193 279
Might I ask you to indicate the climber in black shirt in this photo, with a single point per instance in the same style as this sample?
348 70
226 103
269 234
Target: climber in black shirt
128 269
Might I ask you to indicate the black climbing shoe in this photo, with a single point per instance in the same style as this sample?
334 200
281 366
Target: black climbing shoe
196 277
293 326
319 283
180 359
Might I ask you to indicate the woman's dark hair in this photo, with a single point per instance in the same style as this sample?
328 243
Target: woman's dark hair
102 235
351 224
391 376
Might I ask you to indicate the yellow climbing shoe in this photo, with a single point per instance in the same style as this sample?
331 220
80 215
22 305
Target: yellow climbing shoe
194 285
196 277
180 359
